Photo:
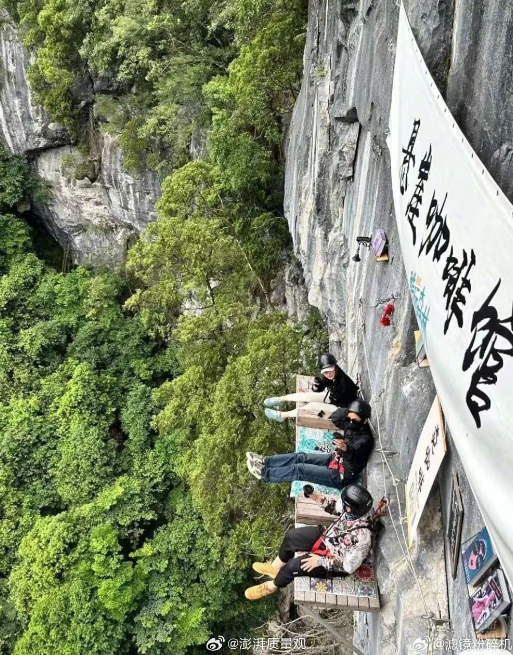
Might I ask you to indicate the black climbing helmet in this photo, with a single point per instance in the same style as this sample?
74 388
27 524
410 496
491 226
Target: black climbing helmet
357 498
360 407
327 361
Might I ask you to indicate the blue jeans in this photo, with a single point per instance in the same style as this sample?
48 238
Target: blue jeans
309 467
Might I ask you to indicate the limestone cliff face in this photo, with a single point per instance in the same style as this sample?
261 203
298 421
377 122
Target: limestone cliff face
24 126
93 205
95 219
338 187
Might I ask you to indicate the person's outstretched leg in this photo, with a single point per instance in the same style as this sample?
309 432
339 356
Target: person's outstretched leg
298 539
292 569
287 459
315 401
295 539
309 467
274 404
299 397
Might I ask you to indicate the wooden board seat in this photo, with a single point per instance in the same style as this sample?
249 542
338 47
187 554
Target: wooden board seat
357 592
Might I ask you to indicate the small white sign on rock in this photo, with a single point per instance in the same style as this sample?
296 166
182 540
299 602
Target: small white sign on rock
428 458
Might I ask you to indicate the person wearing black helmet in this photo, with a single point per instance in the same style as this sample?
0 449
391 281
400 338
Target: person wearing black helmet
353 450
331 389
353 446
334 551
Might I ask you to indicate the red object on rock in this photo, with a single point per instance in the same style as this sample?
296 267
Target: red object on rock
385 319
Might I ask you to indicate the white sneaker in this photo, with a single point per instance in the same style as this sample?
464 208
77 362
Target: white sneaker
274 403
255 469
273 415
254 458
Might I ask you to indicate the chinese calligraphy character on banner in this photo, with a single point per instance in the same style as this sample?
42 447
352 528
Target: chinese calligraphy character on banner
455 227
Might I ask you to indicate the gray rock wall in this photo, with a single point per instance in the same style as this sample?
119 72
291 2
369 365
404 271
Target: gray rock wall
338 187
24 126
94 219
92 205
480 85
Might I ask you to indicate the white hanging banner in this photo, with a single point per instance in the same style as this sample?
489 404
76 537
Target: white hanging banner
456 231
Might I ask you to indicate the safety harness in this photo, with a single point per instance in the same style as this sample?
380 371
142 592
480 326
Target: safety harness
372 523
336 464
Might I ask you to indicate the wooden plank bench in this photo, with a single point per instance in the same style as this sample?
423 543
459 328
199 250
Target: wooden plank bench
307 417
357 592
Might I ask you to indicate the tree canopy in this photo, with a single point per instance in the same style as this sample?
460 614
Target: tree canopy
128 518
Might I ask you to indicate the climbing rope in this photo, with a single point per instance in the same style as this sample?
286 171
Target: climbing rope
394 478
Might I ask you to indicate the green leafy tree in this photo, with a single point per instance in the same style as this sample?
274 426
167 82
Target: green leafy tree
127 515
16 180
118 432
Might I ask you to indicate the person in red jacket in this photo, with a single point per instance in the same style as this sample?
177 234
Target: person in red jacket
331 389
334 551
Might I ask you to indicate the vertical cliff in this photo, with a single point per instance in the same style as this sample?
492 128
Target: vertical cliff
91 204
338 187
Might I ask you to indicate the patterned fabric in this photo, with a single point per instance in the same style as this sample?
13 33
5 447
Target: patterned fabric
348 550
361 584
312 440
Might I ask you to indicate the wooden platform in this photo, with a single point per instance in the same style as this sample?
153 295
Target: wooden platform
358 592
308 512
311 419
354 592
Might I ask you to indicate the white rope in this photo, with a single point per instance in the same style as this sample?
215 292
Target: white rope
395 480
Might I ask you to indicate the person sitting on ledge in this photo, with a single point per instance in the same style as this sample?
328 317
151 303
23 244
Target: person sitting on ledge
353 447
334 551
331 389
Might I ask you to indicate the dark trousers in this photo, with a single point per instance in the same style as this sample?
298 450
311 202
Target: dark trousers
300 539
310 467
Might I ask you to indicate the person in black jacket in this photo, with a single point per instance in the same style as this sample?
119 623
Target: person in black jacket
353 446
357 441
331 389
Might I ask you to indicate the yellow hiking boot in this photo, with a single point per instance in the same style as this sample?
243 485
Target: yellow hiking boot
258 591
265 568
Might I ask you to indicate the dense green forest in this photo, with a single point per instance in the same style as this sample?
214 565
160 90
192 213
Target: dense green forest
128 519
